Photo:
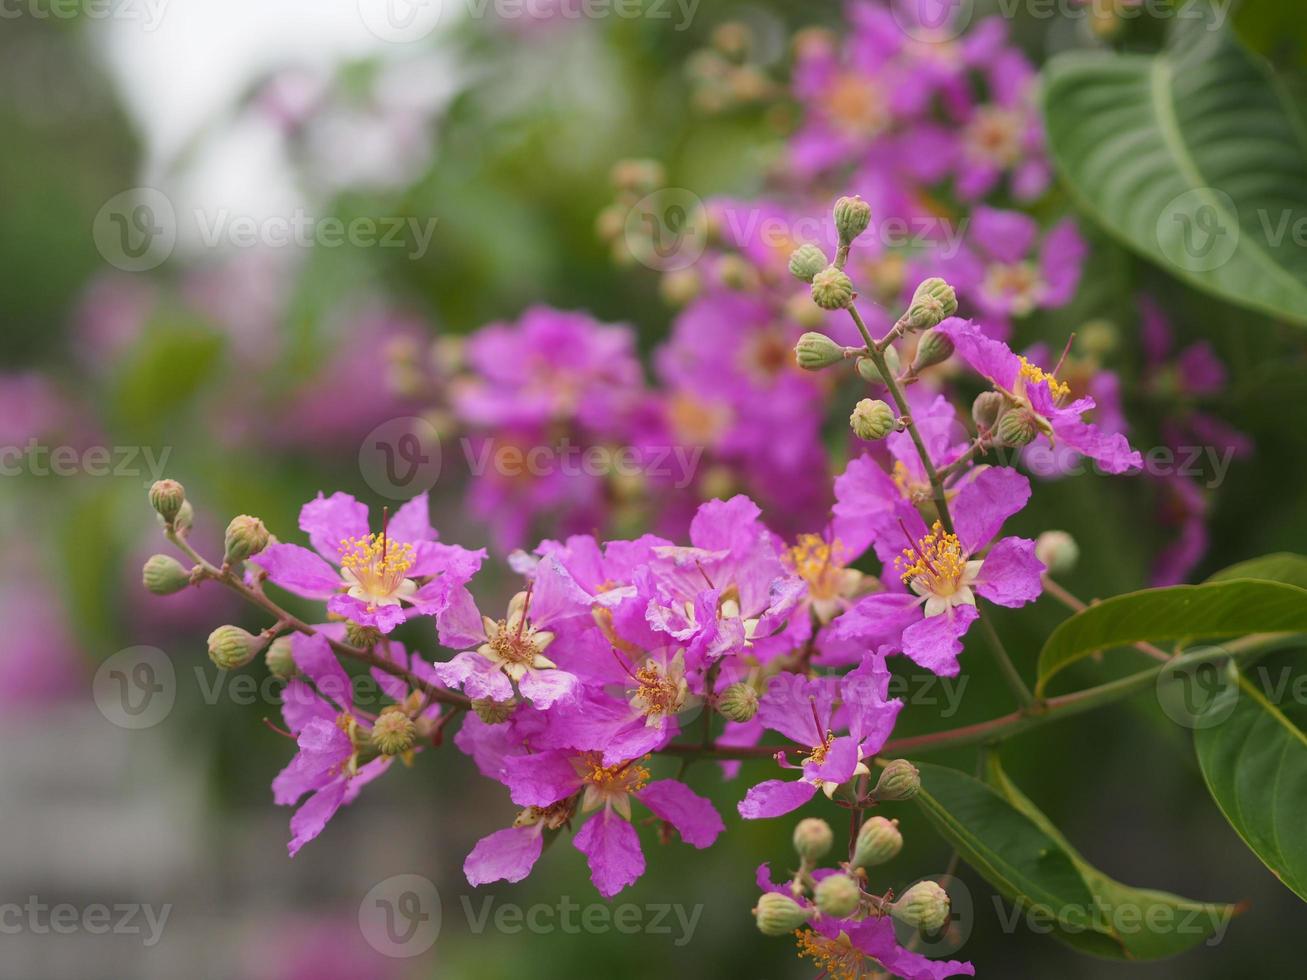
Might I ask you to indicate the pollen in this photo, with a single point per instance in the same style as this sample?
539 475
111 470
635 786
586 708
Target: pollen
819 563
1034 374
937 560
658 694
612 780
377 563
515 645
838 958
819 752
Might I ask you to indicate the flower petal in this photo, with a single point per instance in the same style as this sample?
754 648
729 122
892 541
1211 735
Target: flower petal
612 849
505 855
695 818
775 797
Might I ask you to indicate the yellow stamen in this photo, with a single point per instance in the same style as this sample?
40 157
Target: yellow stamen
377 564
1033 374
838 957
819 563
937 559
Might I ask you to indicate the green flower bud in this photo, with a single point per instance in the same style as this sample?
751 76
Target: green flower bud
739 702
231 647
806 261
778 914
245 536
986 409
899 780
932 304
872 419
832 289
868 371
184 519
393 733
813 839
815 351
1017 428
167 497
1098 338
1058 551
281 664
738 273
837 896
364 637
852 216
680 286
925 905
879 842
164 575
493 712
933 348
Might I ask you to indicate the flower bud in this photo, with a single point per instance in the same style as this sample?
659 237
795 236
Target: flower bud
837 896
852 216
638 175
231 647
281 664
493 712
925 905
879 842
1017 428
806 261
933 348
868 371
778 914
986 409
1098 338
815 351
680 286
738 274
933 302
245 536
165 575
739 703
365 637
184 519
899 780
813 838
393 733
832 289
167 497
872 419
1058 551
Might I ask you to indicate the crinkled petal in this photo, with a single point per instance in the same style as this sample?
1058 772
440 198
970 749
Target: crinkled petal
505 855
936 641
547 687
775 798
1011 574
612 849
330 520
311 818
695 818
540 779
476 675
298 570
985 502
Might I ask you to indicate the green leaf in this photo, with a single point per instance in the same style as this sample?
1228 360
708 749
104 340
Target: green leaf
1134 923
1217 609
1192 158
1280 567
1004 846
1255 766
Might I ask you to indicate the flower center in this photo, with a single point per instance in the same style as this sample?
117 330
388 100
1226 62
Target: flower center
819 752
858 106
1017 282
696 422
819 563
515 643
657 693
935 564
377 564
995 136
838 958
1033 374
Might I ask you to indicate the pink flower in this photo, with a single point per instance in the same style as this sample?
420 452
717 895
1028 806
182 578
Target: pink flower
383 578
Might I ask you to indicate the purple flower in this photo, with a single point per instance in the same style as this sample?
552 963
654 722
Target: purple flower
554 785
383 578
510 652
808 711
944 574
1031 389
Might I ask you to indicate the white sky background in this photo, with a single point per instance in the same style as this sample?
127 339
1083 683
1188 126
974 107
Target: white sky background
181 64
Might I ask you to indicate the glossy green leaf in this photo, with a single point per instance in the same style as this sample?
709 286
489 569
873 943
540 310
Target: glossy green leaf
1216 609
1192 158
1132 923
1280 567
1255 765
